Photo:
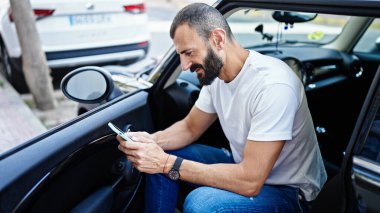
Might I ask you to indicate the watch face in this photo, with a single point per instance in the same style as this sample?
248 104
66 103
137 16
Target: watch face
173 174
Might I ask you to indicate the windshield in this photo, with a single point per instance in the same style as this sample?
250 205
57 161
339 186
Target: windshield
321 30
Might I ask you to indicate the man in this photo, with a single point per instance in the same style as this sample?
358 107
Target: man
261 104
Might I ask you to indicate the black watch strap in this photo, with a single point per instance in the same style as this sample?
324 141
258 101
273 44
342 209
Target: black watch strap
177 163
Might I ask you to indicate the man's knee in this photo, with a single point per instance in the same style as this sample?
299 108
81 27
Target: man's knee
192 201
201 199
270 199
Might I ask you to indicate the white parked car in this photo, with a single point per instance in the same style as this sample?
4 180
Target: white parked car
78 32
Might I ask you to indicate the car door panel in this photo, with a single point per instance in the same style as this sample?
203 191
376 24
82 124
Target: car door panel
91 173
353 191
365 173
22 171
366 180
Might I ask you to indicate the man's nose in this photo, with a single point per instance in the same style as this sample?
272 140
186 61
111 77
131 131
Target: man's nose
185 64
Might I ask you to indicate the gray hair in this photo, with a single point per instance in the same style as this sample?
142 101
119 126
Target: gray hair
203 18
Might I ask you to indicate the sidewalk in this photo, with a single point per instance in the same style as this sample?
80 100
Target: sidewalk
21 121
17 121
65 111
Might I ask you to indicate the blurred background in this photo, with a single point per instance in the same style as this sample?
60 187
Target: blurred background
126 36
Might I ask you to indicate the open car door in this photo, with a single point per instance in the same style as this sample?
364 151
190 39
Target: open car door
76 166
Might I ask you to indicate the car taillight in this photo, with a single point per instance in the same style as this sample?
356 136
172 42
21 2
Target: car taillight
39 13
10 15
136 8
143 44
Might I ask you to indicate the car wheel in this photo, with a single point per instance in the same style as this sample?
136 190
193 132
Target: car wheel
14 75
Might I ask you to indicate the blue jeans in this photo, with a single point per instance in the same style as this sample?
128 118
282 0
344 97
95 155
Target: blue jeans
161 193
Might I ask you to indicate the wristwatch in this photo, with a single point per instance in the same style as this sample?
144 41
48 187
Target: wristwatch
174 171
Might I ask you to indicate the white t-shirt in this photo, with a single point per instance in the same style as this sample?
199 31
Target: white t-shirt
266 102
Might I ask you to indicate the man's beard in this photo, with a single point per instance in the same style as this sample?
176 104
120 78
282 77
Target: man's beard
212 67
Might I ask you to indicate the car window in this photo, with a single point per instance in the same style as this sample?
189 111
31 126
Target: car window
371 148
126 38
370 41
321 30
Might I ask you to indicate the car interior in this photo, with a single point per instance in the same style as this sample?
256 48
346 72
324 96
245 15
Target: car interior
86 172
336 82
336 74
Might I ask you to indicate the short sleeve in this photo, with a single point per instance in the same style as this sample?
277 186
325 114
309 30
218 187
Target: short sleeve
273 114
204 101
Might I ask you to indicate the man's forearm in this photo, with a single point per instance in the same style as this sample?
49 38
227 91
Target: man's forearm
175 137
186 131
230 177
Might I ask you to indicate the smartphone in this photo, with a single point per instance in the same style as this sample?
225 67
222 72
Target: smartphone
119 132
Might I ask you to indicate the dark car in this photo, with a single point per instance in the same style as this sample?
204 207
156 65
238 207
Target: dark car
331 45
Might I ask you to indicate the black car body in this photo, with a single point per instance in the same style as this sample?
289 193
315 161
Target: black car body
77 166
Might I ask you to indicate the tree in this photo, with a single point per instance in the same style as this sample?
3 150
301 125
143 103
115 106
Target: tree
34 64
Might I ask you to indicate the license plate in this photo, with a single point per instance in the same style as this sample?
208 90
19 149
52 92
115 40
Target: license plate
89 19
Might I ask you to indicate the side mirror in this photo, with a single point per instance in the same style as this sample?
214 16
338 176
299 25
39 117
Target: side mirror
378 43
89 84
293 17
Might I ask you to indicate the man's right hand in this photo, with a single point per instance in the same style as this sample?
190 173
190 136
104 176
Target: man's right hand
145 137
142 137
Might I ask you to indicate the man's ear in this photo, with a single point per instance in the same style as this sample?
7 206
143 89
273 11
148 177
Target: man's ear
218 38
